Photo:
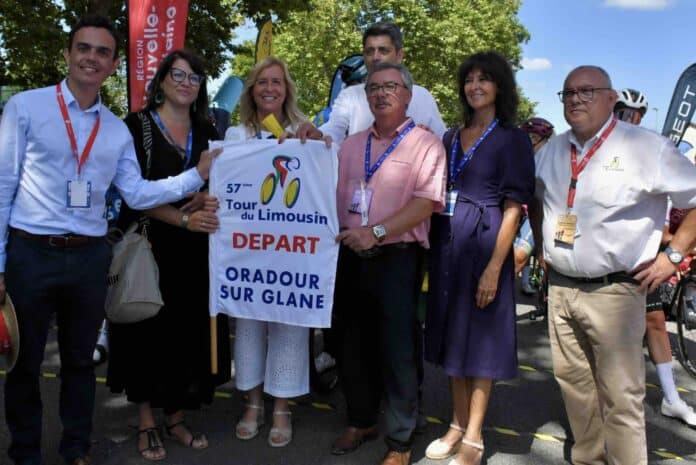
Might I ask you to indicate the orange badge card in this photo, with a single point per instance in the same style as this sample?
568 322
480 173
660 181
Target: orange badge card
565 228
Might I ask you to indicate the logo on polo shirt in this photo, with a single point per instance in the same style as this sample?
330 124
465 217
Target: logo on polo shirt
614 165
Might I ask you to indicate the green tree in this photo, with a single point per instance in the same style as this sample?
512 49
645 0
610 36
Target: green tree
34 33
438 35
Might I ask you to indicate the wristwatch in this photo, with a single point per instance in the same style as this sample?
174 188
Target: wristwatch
184 221
674 256
379 231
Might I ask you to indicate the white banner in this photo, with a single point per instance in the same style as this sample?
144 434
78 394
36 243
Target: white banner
274 256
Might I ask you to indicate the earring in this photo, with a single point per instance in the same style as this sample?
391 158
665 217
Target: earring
159 98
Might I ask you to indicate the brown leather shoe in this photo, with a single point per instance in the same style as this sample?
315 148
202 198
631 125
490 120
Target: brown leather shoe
351 438
397 458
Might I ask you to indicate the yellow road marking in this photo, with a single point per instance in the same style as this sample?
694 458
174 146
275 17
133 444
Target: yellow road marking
547 437
667 455
321 406
506 431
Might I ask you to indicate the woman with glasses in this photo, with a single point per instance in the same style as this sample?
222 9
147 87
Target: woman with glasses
470 322
269 357
164 362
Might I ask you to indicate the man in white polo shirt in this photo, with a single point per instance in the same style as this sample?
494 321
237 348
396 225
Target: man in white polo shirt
603 186
351 113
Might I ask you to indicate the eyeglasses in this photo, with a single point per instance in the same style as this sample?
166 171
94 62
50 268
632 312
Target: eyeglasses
388 87
585 94
178 75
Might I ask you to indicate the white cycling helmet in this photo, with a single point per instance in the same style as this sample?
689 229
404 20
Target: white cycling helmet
631 98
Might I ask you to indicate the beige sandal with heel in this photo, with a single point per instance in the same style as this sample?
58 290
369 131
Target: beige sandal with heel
246 430
440 450
475 445
284 434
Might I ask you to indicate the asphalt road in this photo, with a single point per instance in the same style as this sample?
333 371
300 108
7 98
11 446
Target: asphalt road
525 424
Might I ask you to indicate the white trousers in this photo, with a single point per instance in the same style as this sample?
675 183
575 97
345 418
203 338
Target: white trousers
273 354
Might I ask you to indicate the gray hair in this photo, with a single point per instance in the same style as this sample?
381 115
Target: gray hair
405 73
599 69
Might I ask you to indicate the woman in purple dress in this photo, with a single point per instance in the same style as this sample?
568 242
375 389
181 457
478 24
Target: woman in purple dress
470 323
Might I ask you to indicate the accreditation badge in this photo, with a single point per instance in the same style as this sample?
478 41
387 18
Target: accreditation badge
79 194
450 203
566 228
361 200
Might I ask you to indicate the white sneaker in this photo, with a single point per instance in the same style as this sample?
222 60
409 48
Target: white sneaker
679 410
323 362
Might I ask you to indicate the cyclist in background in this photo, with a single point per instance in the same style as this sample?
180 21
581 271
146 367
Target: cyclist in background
631 106
539 131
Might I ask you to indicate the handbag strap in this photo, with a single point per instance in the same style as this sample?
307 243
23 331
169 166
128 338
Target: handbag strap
144 221
147 141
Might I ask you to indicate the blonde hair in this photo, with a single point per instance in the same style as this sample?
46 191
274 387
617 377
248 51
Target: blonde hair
247 107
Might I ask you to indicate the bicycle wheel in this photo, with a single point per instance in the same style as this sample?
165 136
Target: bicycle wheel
686 333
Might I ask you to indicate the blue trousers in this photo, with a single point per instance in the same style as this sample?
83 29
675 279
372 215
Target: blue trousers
71 283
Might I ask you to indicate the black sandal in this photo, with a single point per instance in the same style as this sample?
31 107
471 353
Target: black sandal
194 436
154 443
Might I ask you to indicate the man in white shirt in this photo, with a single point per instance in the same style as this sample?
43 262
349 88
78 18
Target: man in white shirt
603 186
60 149
350 112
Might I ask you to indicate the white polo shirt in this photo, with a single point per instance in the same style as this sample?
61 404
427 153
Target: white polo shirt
620 201
351 113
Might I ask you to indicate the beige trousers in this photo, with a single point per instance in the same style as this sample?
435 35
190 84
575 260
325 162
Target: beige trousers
596 334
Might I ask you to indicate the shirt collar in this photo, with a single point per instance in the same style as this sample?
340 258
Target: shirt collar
589 142
402 126
70 98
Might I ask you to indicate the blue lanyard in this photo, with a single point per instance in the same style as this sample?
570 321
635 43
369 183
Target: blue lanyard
370 171
466 158
189 138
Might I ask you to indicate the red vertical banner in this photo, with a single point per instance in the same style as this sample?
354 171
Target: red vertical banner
155 28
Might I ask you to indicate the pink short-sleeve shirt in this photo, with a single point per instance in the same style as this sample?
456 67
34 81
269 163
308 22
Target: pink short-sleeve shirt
415 168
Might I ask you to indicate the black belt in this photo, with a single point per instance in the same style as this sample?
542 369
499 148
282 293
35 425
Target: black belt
611 278
61 241
379 250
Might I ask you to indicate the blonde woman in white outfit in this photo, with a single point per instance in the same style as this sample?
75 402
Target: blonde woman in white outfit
270 357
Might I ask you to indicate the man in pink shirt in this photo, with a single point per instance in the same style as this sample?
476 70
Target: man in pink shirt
391 178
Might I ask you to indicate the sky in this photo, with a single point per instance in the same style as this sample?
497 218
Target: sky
643 44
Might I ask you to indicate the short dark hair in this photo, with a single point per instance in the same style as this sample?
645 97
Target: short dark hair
497 68
385 29
95 21
199 109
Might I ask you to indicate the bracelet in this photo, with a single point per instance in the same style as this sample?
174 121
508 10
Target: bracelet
184 221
